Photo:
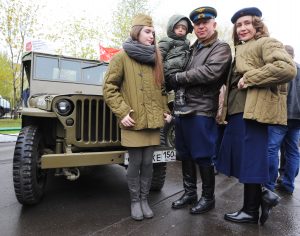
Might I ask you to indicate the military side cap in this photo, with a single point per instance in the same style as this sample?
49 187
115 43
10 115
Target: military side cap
142 19
249 11
203 13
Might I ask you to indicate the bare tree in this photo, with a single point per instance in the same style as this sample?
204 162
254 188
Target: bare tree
5 77
78 37
17 21
122 18
225 33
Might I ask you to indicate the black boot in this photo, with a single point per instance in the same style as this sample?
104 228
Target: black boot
189 185
250 211
269 200
207 200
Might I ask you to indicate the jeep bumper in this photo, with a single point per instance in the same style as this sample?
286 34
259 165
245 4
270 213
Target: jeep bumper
49 161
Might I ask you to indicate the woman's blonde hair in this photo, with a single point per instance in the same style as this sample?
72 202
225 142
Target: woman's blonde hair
259 26
158 66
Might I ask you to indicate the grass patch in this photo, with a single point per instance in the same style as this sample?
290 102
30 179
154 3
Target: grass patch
10 123
6 123
9 132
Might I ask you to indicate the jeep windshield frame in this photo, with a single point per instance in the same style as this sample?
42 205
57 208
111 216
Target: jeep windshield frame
67 70
57 74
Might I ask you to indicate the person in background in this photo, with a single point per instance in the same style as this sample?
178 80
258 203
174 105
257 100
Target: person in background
196 133
175 53
255 97
25 97
289 136
221 126
133 91
281 164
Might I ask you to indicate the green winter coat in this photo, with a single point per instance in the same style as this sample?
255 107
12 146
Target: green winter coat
175 49
130 85
266 67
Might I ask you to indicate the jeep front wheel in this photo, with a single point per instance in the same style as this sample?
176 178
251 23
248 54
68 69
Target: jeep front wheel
168 134
159 176
29 179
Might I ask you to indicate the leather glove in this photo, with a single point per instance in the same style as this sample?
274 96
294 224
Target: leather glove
171 83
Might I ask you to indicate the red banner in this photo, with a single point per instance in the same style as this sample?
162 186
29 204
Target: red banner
107 53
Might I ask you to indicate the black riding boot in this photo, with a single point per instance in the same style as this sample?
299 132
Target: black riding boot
189 185
207 200
269 200
250 211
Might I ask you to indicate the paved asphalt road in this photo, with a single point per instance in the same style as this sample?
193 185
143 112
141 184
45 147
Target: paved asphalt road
98 204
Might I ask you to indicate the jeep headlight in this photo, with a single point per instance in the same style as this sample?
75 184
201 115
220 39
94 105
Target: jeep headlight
64 107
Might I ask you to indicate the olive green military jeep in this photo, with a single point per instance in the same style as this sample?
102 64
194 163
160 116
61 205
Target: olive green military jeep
67 127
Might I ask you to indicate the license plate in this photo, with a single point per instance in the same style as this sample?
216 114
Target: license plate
158 156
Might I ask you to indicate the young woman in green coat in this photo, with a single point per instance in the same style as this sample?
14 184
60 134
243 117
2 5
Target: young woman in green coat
133 91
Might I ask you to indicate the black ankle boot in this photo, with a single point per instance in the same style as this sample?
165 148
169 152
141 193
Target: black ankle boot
189 184
250 211
207 200
203 205
242 217
269 200
184 200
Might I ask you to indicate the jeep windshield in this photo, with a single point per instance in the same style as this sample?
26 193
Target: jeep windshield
68 70
58 74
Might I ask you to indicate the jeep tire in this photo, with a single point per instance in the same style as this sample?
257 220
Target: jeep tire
159 176
167 138
28 177
168 134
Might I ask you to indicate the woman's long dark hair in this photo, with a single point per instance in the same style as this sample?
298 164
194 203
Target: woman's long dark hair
258 24
158 67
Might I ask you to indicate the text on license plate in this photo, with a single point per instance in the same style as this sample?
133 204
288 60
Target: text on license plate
158 156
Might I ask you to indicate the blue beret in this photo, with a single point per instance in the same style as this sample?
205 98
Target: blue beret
203 13
250 11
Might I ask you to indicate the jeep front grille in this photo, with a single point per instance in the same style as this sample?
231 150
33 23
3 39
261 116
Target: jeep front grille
95 123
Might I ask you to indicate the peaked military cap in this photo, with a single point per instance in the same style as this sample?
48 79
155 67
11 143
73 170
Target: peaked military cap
203 13
249 11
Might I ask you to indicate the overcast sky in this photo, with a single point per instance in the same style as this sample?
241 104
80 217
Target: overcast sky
282 20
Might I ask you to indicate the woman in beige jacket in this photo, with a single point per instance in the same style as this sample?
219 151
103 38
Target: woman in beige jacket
133 91
255 97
